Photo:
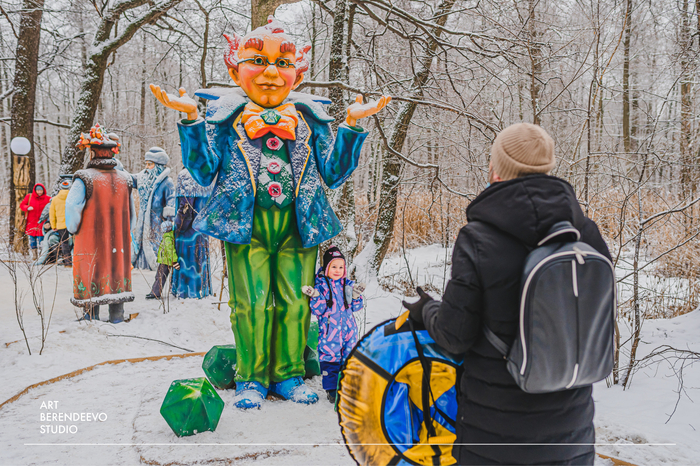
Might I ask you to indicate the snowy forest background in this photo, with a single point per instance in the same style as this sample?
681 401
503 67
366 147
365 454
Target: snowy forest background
613 82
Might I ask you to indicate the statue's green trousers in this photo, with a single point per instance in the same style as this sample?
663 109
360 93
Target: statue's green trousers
269 314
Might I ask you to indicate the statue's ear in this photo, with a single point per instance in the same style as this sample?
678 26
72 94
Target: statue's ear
300 78
234 75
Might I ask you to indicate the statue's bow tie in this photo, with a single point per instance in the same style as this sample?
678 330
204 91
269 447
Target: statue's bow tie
280 121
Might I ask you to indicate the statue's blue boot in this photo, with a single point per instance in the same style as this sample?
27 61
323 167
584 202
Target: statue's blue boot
295 390
249 395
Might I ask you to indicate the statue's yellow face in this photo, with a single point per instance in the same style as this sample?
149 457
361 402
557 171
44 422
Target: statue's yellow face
267 76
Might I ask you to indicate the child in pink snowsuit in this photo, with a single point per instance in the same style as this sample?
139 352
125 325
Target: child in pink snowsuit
333 300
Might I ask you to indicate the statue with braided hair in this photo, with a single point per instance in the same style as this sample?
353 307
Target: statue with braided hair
269 149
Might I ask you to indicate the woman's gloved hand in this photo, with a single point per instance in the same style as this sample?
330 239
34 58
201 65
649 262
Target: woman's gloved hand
416 309
310 291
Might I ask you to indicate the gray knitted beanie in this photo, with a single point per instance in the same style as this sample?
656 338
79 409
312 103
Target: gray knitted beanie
522 149
157 155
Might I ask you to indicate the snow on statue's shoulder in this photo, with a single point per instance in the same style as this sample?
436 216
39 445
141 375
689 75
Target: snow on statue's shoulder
223 102
214 93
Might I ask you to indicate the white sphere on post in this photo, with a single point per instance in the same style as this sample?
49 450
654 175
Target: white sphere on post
20 146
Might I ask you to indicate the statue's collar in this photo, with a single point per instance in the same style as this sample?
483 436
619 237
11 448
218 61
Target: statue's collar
225 101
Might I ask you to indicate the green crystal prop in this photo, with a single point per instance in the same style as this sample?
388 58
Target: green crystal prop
311 362
191 406
220 366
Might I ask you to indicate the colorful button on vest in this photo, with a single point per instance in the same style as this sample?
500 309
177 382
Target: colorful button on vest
273 143
274 167
275 181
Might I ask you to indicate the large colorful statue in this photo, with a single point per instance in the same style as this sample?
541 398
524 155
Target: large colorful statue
268 149
193 279
156 205
99 212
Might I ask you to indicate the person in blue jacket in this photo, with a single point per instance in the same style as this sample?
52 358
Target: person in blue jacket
268 150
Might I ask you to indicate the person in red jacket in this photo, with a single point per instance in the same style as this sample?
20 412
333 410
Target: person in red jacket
33 204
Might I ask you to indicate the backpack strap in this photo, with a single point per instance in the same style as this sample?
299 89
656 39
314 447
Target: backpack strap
497 343
562 231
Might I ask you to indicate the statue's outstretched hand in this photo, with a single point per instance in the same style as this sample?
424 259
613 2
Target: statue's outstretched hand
359 110
184 103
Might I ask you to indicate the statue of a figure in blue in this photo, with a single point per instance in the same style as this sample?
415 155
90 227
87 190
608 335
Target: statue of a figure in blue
267 150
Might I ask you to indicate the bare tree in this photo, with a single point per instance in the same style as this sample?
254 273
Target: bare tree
686 137
23 169
261 9
392 164
626 117
535 57
103 46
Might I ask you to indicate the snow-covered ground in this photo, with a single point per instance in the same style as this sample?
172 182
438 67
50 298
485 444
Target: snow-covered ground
630 423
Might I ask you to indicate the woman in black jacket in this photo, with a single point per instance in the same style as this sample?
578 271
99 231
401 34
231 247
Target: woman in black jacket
504 223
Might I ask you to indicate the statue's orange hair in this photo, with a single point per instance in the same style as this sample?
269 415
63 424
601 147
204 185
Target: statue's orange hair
255 40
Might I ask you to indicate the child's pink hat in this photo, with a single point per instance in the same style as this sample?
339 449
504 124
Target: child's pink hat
331 254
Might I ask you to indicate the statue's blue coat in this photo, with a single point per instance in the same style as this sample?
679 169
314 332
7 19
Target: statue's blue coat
219 148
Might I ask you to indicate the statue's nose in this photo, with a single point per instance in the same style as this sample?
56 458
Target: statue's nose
271 71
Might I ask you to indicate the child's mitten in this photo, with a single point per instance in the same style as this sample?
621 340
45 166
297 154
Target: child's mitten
357 290
310 291
354 292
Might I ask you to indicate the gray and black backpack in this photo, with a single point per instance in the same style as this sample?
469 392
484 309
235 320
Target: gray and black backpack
567 316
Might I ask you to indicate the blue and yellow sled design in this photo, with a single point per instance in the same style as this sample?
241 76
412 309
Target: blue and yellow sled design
382 398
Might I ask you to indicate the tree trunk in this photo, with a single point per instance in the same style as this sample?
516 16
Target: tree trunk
351 22
205 48
535 52
142 109
592 93
45 157
261 9
335 63
637 328
202 103
342 199
84 114
391 164
312 65
626 120
22 125
4 141
687 178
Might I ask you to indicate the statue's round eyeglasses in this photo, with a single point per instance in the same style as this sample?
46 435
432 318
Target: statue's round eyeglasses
260 60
